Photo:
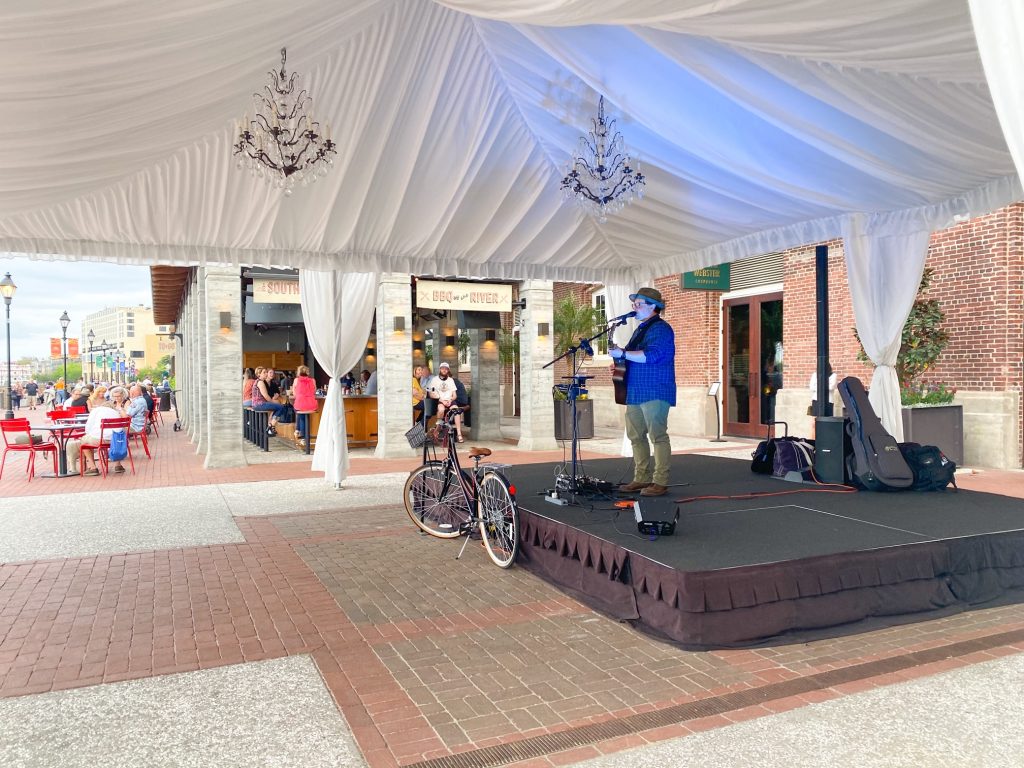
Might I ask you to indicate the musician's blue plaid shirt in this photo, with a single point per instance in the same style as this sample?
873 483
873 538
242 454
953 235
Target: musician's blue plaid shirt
655 379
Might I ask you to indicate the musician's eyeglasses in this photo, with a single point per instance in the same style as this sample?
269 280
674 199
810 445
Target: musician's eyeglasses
641 302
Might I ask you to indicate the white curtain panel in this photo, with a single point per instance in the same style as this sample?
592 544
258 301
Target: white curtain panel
617 303
885 269
337 310
999 28
760 124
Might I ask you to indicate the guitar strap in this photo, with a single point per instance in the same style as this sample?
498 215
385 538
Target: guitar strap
638 335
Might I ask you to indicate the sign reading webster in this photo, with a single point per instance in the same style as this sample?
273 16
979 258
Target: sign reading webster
275 291
707 279
482 297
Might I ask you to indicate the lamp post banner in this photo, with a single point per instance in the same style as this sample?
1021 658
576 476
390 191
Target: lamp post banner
72 347
56 349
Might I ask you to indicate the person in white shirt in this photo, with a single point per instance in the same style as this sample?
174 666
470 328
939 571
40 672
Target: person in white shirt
442 388
98 410
371 384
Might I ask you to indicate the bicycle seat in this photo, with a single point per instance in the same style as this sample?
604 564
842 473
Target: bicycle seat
474 452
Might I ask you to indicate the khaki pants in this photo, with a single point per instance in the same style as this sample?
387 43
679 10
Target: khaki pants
75 451
649 419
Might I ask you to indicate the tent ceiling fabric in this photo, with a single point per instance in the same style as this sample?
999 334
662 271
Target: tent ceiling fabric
759 123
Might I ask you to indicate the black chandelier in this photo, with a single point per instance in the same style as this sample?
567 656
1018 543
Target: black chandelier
283 143
599 176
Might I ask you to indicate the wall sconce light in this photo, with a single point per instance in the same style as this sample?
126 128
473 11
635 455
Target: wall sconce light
399 324
225 321
449 341
490 334
417 345
543 329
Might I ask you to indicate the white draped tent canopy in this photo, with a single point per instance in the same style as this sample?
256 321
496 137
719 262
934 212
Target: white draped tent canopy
760 124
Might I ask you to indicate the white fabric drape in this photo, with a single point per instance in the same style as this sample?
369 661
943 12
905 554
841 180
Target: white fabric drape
884 268
337 310
616 301
999 29
760 124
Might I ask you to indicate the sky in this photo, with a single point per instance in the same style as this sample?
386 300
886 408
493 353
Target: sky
47 288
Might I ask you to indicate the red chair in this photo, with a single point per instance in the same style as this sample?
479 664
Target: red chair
12 427
140 436
77 410
60 413
103 449
152 421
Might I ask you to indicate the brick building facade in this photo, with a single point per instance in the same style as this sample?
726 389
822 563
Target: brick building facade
978 280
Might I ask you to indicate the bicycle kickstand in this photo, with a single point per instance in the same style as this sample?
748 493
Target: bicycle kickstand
463 549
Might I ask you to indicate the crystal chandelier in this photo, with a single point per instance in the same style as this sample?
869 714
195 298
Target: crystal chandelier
599 177
283 143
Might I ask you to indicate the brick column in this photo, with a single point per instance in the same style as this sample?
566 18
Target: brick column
394 366
222 382
537 415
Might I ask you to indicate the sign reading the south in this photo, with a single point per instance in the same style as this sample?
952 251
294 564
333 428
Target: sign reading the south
708 279
482 297
275 291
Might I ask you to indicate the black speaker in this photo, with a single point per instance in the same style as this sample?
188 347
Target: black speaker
830 449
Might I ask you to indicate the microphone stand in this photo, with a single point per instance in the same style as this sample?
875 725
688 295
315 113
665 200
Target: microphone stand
576 388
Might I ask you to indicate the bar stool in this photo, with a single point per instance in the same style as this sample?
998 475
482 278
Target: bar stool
309 428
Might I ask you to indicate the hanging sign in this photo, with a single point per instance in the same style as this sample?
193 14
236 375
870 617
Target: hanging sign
275 290
72 347
707 279
482 297
55 350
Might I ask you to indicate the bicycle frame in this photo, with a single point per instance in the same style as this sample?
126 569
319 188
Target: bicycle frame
443 428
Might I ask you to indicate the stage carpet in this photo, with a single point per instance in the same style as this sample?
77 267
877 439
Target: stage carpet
755 560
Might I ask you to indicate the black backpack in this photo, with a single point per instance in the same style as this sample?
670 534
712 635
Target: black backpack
933 470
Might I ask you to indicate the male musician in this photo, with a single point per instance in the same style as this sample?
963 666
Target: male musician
650 392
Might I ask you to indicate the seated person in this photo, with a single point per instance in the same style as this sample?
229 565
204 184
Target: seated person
82 450
303 398
138 408
79 397
273 386
418 393
461 400
371 384
442 389
263 401
248 382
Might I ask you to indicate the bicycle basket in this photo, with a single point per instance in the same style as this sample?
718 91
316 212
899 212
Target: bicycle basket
417 436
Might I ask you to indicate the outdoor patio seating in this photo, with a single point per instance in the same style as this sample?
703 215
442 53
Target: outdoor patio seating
11 428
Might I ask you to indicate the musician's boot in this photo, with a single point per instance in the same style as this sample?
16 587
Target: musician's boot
634 486
654 490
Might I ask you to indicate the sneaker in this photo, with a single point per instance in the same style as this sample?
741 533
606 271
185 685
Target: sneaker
271 431
119 468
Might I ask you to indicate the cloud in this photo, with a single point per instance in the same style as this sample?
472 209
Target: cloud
47 288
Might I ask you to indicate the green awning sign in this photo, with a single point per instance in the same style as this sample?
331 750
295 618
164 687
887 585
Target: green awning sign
708 279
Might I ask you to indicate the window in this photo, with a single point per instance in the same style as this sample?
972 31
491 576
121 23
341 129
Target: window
598 300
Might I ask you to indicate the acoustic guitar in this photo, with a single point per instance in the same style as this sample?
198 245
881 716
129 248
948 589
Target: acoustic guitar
619 381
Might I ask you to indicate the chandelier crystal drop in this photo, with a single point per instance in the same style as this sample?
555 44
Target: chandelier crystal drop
283 143
599 176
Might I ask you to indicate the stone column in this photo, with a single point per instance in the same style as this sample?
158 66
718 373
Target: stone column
181 365
394 366
222 383
537 415
199 369
486 395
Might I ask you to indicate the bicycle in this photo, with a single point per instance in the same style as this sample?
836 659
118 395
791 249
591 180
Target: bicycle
447 501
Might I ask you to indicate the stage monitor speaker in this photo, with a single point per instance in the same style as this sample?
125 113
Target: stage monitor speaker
830 449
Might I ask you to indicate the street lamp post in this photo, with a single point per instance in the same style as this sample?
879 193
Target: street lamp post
92 337
7 289
65 321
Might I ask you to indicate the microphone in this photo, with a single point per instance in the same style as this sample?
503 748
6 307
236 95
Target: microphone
622 318
585 346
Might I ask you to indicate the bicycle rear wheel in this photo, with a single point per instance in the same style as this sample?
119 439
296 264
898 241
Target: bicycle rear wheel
435 501
499 519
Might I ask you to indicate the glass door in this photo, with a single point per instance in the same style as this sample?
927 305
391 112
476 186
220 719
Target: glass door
752 364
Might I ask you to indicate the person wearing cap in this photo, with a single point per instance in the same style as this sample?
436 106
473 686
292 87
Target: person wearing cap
649 358
442 389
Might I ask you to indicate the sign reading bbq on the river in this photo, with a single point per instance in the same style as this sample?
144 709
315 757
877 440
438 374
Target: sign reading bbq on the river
481 297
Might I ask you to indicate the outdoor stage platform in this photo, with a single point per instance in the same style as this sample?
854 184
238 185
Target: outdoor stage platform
778 568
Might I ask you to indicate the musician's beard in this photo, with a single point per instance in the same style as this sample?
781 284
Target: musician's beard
443 376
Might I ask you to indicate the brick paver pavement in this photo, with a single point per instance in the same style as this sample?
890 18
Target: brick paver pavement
425 655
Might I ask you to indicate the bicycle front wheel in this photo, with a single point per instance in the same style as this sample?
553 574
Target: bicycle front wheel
435 501
499 519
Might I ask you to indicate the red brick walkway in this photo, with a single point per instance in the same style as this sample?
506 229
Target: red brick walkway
427 656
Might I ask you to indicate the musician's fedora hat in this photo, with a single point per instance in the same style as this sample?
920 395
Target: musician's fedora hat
650 295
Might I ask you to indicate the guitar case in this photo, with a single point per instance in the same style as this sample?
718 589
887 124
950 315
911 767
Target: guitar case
877 462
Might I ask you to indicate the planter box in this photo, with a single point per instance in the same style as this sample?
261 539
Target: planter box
584 416
940 425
